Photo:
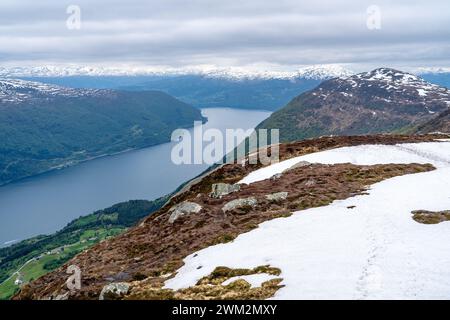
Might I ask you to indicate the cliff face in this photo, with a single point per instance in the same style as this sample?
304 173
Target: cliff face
146 256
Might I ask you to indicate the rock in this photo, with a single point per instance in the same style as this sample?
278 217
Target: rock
240 203
221 189
114 291
276 176
298 165
182 209
64 296
278 196
310 183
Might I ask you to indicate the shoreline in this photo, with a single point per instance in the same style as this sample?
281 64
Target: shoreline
72 163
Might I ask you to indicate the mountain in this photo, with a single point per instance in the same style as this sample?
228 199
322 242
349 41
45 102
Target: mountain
440 123
201 90
43 127
201 87
348 211
382 100
317 72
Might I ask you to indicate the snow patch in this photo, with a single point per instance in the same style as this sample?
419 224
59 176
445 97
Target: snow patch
374 251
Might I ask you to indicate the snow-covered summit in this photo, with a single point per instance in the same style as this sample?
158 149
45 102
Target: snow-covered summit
17 90
392 79
392 86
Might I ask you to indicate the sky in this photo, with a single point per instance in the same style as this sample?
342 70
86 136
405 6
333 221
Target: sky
272 35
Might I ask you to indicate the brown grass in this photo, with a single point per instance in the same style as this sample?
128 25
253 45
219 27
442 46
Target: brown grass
210 287
430 217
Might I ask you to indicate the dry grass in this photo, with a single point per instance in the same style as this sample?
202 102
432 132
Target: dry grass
430 217
211 288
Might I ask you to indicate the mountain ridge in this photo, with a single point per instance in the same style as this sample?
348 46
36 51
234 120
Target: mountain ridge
316 72
379 101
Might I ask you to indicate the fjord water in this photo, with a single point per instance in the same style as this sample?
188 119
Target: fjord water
46 203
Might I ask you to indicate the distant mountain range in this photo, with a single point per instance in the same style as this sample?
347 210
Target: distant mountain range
380 101
201 87
43 127
316 72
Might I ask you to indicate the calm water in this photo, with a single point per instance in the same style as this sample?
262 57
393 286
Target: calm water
46 203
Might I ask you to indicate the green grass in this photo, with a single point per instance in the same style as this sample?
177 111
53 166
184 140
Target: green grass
77 236
39 267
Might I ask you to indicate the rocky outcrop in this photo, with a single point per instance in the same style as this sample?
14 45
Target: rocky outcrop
221 189
240 203
277 196
114 291
182 209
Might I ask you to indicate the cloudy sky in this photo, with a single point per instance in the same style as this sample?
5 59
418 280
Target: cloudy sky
280 34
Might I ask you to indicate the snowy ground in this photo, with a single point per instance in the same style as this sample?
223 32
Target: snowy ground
373 251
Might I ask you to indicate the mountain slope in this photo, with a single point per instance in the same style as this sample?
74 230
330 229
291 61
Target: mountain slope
147 259
39 255
440 123
383 100
45 126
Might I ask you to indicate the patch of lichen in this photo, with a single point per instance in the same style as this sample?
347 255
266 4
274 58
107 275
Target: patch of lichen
211 287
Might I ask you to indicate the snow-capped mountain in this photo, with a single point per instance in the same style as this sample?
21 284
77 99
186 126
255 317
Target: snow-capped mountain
317 72
17 91
392 85
379 101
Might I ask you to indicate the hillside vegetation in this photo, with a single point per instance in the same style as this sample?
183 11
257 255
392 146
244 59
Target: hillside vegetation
47 131
34 257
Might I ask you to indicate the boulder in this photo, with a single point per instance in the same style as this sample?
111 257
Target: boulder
114 291
182 209
221 189
240 203
277 196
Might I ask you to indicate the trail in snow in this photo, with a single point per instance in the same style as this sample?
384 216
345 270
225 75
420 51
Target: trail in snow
374 251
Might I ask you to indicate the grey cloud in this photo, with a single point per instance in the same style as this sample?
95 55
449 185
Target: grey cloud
226 33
